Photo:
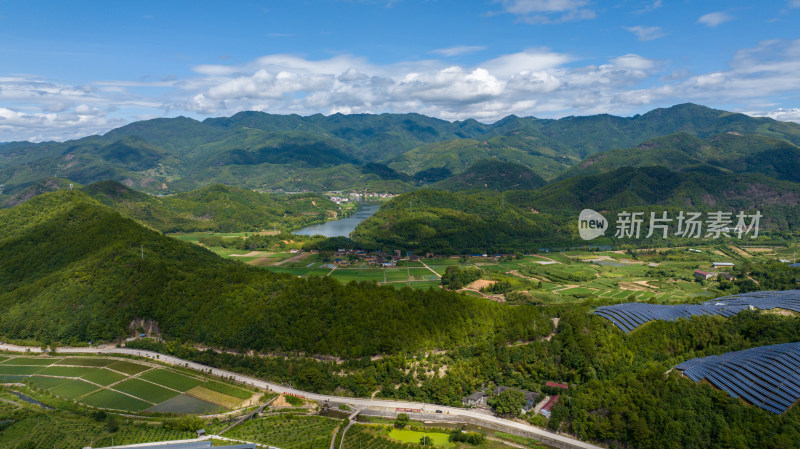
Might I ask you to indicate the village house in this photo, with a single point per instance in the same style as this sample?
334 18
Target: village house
702 275
477 399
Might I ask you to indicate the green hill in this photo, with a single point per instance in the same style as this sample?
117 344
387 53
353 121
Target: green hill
456 223
526 220
730 152
73 270
492 174
215 208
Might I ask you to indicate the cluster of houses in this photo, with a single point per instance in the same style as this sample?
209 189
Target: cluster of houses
339 199
701 275
366 195
480 399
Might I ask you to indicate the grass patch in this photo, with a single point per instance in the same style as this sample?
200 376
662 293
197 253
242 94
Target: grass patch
171 379
129 368
145 390
369 437
115 401
412 436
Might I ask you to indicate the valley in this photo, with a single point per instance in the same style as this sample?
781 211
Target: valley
320 261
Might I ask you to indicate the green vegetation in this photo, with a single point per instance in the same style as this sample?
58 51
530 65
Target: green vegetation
379 152
171 379
368 437
731 152
492 174
414 436
215 208
94 286
116 401
287 430
85 384
508 403
145 390
457 223
68 426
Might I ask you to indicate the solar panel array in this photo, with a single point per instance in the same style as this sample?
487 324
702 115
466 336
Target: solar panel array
767 376
629 316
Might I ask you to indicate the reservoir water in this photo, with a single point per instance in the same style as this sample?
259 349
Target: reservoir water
342 227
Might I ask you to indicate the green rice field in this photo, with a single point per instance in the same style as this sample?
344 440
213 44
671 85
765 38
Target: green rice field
119 384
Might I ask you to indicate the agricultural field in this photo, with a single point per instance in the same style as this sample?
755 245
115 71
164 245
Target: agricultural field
288 431
63 428
123 385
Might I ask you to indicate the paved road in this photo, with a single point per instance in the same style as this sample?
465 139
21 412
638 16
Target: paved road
360 403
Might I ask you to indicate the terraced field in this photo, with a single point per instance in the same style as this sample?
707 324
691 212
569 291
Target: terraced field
124 385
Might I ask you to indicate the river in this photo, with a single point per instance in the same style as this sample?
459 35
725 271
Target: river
342 227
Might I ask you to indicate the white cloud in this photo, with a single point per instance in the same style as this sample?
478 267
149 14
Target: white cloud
784 115
535 81
549 11
794 3
644 33
460 50
714 19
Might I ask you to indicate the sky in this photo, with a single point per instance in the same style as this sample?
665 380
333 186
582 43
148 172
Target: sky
74 68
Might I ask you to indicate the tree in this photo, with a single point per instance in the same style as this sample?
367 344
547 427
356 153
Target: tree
426 441
401 421
509 403
111 424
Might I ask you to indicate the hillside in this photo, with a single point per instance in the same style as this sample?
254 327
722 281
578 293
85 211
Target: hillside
657 188
288 152
492 174
526 220
730 152
457 223
73 270
215 208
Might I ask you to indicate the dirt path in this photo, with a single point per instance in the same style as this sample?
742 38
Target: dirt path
432 271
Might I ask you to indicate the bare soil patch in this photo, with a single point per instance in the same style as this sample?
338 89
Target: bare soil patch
280 401
479 284
740 251
250 254
636 286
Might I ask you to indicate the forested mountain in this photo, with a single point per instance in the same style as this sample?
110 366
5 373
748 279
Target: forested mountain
215 208
290 152
458 223
730 152
526 220
73 270
492 174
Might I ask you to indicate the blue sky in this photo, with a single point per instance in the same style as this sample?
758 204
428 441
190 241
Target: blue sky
74 68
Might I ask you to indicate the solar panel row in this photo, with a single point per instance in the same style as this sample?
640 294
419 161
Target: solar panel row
630 316
767 376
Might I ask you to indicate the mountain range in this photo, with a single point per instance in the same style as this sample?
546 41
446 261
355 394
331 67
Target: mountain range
395 152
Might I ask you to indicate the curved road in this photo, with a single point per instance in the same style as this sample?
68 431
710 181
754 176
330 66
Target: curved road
360 403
